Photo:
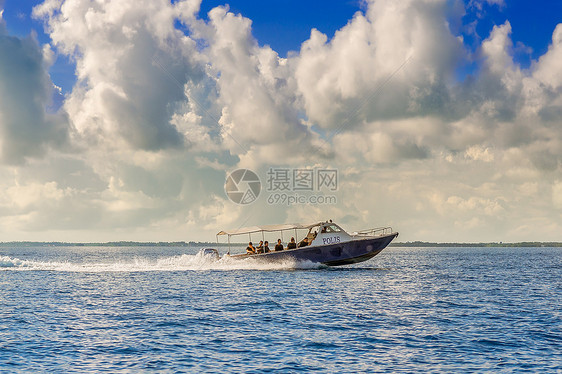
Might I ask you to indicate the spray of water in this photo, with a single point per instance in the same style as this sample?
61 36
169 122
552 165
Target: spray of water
198 262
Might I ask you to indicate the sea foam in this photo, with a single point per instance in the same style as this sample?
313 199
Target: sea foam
184 262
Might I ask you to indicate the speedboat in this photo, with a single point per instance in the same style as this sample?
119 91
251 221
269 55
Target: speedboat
325 242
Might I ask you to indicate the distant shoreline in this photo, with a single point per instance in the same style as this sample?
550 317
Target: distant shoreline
207 244
497 244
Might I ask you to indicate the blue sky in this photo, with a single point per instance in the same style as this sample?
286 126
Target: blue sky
283 24
286 24
463 142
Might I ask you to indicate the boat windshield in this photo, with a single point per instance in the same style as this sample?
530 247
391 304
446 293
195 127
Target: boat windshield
331 228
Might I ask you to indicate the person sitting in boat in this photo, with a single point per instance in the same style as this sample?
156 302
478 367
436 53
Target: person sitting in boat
292 244
278 246
266 247
250 249
303 243
309 239
259 248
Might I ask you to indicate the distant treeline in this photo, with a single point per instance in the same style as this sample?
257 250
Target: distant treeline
500 244
214 244
109 244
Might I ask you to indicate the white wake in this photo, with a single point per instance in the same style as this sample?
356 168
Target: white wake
198 262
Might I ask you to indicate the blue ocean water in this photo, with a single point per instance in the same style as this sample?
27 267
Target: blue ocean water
163 309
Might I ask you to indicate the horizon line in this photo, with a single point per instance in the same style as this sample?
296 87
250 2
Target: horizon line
416 243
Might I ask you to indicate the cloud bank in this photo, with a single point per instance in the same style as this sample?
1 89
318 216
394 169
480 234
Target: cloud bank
166 100
26 129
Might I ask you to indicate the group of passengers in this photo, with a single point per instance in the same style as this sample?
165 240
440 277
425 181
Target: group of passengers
263 247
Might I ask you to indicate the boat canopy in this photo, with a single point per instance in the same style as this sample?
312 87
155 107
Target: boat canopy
270 228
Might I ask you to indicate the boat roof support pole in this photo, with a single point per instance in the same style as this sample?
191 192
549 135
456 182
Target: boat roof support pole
228 245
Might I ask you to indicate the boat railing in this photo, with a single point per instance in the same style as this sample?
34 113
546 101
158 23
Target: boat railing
378 231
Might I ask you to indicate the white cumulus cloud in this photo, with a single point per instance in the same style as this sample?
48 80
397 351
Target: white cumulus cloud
132 65
26 129
167 100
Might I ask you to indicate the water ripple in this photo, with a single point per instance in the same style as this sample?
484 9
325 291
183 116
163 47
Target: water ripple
160 309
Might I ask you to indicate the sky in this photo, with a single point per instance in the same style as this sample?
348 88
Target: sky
121 120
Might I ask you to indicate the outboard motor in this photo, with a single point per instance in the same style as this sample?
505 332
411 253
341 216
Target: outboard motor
211 253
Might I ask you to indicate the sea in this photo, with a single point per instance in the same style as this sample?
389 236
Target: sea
164 309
